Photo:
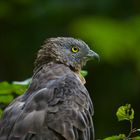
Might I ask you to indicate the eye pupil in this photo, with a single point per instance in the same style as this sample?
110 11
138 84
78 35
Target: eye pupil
74 49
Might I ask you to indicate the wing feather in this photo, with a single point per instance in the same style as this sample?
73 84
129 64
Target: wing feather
62 111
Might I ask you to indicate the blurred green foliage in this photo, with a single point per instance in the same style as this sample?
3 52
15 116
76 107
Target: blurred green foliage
115 39
9 91
116 137
126 113
111 28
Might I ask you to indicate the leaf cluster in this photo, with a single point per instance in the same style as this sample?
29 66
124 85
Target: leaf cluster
125 113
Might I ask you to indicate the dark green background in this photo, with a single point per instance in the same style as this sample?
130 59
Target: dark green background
110 27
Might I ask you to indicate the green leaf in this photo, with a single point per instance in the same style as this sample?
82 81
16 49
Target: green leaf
84 73
136 138
19 89
5 88
1 112
125 113
116 137
6 98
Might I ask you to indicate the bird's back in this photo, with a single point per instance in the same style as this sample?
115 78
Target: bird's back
56 106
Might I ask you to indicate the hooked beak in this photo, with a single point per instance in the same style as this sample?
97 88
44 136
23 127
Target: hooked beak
93 55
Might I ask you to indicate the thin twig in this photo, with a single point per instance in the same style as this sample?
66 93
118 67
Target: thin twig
131 130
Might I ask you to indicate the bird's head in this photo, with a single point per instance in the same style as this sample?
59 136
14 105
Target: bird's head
72 52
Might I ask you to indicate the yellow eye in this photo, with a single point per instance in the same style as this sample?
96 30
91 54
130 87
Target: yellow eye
74 49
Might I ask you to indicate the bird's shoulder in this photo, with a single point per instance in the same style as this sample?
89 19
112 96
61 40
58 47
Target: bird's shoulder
60 104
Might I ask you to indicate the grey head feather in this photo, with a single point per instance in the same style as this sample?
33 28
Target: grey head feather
58 50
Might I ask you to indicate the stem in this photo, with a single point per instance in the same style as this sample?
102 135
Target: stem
131 125
131 130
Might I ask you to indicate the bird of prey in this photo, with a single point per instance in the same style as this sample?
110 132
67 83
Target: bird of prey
56 106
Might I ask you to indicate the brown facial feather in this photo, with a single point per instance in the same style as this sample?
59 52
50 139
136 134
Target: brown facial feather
58 50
